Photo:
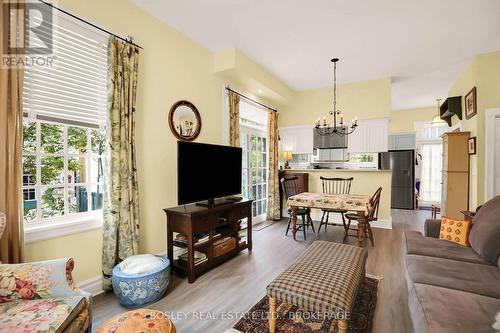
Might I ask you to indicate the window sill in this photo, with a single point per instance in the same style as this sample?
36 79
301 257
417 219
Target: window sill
62 227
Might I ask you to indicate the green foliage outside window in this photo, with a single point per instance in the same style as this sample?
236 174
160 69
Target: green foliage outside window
52 140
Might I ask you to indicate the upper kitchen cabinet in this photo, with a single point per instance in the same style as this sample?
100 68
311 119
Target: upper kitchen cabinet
404 141
297 139
371 136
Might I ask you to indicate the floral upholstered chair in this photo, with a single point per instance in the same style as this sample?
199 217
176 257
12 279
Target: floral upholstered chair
41 297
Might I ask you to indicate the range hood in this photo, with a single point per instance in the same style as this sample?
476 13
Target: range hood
334 141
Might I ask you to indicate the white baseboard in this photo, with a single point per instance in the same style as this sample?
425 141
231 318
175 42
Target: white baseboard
316 215
92 285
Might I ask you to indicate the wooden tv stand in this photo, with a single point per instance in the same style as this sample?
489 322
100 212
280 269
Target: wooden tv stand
219 222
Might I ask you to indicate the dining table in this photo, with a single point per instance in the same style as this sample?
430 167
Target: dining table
348 202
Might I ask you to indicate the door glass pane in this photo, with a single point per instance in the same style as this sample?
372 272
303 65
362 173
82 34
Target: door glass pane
254 171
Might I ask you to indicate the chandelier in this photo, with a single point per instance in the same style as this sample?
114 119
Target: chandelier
326 127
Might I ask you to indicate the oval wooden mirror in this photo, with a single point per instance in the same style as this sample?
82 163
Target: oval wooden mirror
184 121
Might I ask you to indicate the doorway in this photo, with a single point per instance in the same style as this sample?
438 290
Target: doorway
492 150
254 142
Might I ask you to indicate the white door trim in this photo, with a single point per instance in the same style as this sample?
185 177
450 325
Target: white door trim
489 141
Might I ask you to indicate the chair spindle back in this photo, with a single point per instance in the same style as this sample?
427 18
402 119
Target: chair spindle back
336 185
374 203
290 186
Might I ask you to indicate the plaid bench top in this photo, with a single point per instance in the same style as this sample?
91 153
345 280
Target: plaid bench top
324 279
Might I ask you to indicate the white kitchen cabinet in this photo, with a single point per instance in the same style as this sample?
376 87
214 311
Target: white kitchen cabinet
371 136
404 141
297 139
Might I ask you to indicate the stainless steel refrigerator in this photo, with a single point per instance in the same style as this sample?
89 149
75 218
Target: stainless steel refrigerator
402 164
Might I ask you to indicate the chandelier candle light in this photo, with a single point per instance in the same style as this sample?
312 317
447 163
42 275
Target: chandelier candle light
325 127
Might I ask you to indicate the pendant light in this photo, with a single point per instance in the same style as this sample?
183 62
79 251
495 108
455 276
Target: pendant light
437 121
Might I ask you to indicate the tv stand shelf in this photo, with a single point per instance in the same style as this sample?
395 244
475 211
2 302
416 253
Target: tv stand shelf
193 219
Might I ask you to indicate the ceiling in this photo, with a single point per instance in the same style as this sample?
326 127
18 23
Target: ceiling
422 44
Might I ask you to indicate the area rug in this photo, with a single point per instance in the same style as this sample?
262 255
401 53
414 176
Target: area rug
291 319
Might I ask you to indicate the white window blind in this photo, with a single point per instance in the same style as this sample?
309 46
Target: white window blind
73 91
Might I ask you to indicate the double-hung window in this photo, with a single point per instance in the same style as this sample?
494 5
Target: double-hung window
64 118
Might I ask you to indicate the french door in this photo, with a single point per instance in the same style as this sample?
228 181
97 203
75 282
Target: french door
431 173
254 168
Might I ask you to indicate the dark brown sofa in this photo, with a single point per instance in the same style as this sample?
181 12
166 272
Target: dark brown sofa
453 288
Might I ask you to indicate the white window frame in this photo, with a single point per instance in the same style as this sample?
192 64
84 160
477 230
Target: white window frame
69 223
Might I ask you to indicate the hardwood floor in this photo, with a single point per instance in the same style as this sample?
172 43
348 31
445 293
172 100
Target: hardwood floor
213 302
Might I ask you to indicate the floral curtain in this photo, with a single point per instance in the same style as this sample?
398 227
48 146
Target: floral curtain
11 134
234 119
121 200
273 212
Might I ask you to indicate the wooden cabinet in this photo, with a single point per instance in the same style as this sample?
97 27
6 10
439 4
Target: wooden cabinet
455 188
222 226
297 139
371 136
404 141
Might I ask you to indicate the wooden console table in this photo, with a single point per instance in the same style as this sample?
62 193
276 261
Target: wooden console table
219 222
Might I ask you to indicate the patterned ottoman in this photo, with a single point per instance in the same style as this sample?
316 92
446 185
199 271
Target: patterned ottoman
140 320
324 280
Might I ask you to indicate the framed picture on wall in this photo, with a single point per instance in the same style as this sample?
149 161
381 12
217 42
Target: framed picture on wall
472 145
470 104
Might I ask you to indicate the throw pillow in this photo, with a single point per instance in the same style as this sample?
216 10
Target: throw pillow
455 231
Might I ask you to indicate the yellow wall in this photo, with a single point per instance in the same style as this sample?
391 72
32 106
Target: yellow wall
402 120
366 99
238 68
171 67
483 73
84 247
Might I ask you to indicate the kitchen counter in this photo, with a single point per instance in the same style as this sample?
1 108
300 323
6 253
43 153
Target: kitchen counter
337 170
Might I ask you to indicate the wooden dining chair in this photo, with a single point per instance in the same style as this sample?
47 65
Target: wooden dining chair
334 186
290 188
372 216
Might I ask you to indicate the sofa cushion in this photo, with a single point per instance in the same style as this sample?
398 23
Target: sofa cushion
455 231
416 243
40 315
485 231
453 274
447 310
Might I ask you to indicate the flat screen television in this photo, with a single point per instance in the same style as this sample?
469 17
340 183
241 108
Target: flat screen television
207 172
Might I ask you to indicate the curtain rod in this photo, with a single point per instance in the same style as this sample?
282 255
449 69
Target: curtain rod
251 100
89 23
